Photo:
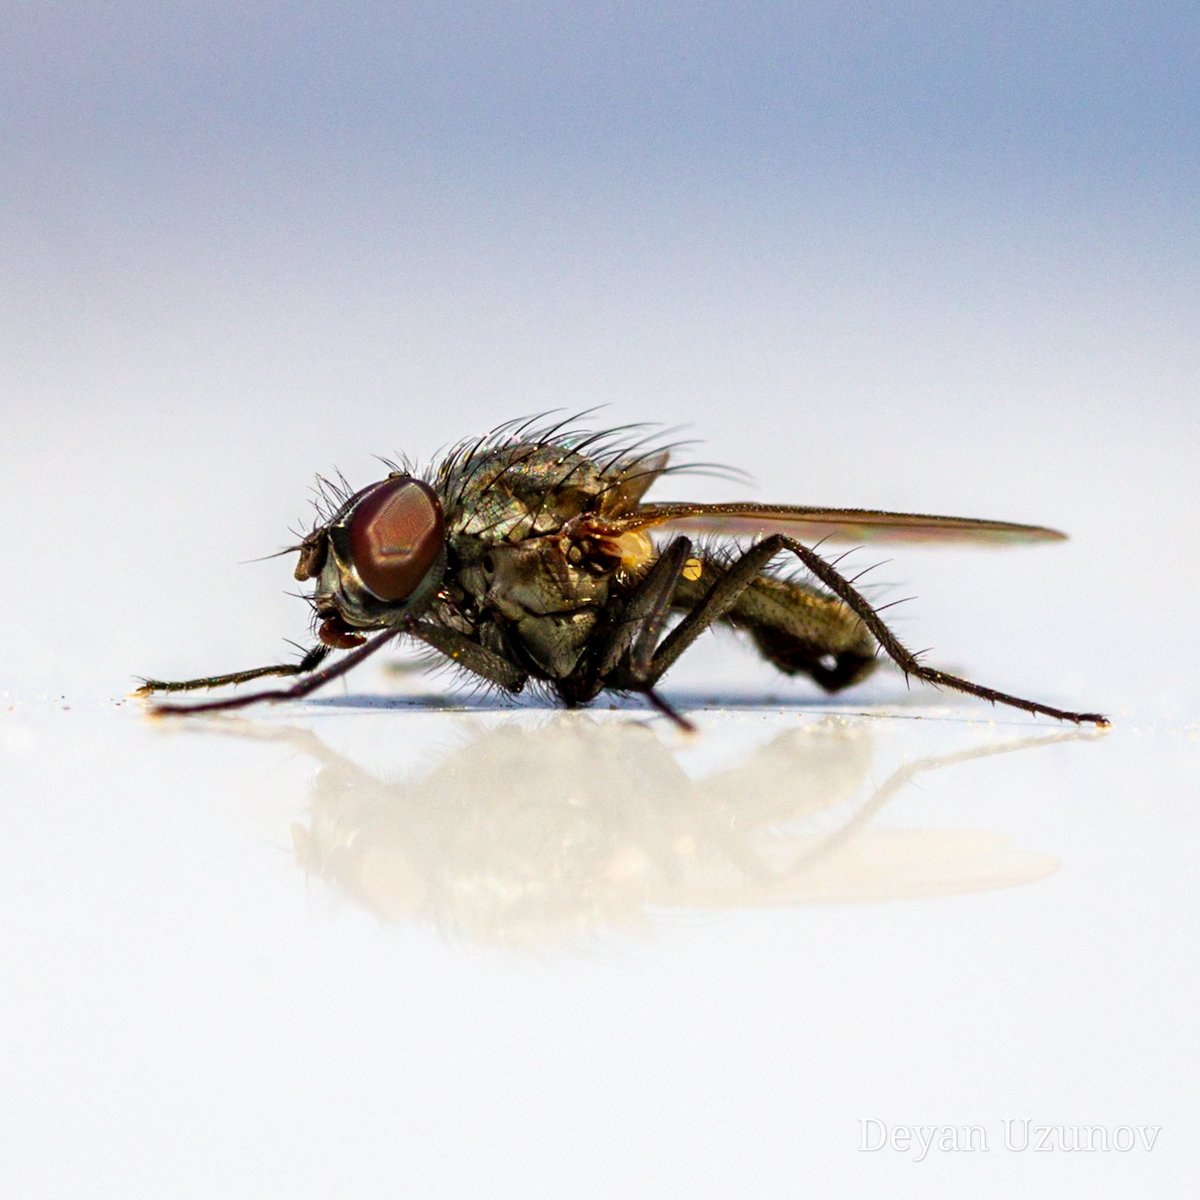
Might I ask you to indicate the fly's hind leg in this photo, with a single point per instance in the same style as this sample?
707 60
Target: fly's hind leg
730 588
901 655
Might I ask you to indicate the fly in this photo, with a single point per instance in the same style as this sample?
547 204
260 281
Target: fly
527 554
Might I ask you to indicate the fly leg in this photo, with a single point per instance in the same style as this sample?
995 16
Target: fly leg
904 658
713 606
466 653
636 632
796 627
625 653
463 652
315 680
724 595
311 660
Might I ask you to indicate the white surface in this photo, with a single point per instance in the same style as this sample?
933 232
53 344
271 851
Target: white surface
381 944
336 951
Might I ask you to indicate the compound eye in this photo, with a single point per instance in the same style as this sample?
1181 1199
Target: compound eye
396 534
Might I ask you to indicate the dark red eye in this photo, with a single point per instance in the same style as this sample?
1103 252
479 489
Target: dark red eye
396 534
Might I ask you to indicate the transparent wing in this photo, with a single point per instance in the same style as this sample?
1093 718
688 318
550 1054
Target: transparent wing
838 524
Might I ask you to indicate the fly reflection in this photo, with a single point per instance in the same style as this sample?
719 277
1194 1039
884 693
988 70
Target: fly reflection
547 834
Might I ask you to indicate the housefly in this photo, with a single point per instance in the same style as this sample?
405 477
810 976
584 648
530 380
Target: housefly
527 555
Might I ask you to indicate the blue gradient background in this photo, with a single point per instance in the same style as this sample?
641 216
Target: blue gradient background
926 256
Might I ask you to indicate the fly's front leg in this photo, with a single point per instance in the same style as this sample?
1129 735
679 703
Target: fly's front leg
310 683
477 659
463 651
311 660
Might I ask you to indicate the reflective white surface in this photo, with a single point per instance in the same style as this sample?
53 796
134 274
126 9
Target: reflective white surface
405 941
343 948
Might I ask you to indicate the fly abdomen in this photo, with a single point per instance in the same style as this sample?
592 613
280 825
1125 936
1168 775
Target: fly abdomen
797 628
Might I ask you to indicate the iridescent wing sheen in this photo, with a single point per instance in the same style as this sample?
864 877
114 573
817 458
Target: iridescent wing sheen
811 524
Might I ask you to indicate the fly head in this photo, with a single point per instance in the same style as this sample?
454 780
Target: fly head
379 559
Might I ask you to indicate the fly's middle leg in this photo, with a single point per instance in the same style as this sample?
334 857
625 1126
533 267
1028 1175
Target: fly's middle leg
795 627
625 653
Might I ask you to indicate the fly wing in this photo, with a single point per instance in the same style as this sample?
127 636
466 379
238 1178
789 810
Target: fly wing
632 481
837 524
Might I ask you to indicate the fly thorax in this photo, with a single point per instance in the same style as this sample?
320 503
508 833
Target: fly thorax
536 577
521 491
